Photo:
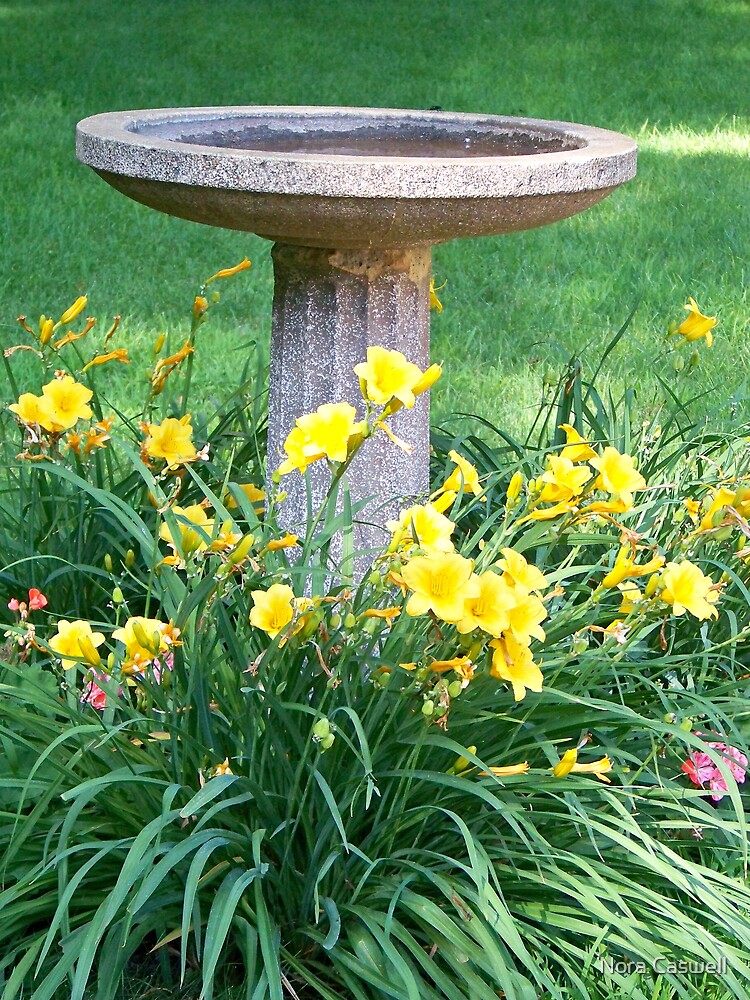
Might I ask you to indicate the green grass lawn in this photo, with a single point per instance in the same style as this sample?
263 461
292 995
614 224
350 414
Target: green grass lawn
671 73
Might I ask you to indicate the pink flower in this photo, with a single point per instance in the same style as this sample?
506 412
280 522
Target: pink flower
37 600
702 771
93 695
14 604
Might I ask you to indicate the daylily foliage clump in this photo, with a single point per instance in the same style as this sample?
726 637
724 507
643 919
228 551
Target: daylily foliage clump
224 750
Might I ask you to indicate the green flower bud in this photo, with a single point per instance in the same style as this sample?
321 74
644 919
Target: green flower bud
108 562
129 558
322 728
350 621
117 596
335 621
428 707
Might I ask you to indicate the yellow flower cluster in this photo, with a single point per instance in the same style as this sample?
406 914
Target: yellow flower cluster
171 441
504 607
566 482
195 535
144 639
334 432
62 404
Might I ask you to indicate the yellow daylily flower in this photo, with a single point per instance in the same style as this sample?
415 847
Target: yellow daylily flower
513 662
191 541
70 337
598 768
68 403
171 440
228 272
287 541
687 588
33 409
67 643
435 302
98 435
563 481
519 572
625 568
507 771
253 493
386 614
566 763
631 597
490 609
548 513
424 526
145 639
222 768
273 609
464 477
165 366
323 434
441 583
738 500
577 448
458 663
525 616
617 475
696 325
387 375
120 354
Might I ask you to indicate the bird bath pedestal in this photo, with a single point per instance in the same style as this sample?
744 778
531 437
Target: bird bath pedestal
354 199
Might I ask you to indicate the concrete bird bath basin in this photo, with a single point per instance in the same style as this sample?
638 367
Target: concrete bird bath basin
354 199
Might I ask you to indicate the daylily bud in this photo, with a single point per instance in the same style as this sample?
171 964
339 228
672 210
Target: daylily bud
678 362
654 582
429 378
215 296
111 662
46 326
350 621
335 621
515 486
75 310
159 343
200 305
321 728
117 596
565 764
108 562
241 551
152 644
129 558
89 651
461 763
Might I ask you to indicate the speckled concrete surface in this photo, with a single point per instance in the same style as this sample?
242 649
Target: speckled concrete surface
329 307
325 199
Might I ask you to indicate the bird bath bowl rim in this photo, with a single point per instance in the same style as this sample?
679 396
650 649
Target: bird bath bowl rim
127 143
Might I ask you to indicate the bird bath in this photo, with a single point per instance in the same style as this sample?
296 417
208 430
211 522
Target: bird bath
354 199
